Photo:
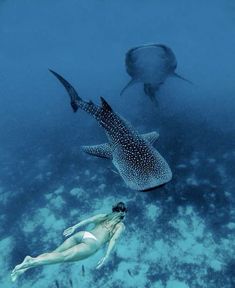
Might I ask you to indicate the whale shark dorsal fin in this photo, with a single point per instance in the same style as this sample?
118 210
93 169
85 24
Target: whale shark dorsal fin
150 137
101 150
105 105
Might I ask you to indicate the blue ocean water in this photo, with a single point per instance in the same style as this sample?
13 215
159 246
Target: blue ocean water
180 235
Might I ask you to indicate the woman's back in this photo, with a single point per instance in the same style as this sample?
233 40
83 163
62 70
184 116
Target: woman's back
105 228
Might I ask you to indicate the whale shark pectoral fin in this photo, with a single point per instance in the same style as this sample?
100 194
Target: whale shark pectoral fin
130 83
182 78
150 137
102 150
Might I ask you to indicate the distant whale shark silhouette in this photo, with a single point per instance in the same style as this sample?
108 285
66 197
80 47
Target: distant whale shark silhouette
151 64
139 164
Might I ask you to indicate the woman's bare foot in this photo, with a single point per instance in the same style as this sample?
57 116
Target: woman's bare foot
17 273
21 268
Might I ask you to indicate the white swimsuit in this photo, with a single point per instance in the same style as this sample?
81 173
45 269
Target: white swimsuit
89 235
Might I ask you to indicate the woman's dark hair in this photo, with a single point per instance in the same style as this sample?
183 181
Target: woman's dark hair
119 207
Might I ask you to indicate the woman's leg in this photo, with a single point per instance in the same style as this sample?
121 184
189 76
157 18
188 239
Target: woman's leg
67 244
76 253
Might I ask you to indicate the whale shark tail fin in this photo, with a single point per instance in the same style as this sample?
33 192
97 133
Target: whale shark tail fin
74 98
182 78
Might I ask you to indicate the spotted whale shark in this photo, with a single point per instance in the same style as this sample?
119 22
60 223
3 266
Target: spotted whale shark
139 164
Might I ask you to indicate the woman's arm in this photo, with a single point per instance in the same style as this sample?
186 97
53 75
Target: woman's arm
93 219
112 243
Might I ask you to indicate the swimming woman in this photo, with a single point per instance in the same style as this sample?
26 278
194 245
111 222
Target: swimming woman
107 229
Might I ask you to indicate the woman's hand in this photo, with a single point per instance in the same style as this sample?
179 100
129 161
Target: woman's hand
69 231
101 262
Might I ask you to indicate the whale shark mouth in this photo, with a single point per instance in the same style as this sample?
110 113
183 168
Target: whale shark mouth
153 188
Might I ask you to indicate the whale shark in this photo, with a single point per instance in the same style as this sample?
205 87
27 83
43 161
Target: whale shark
151 64
137 161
